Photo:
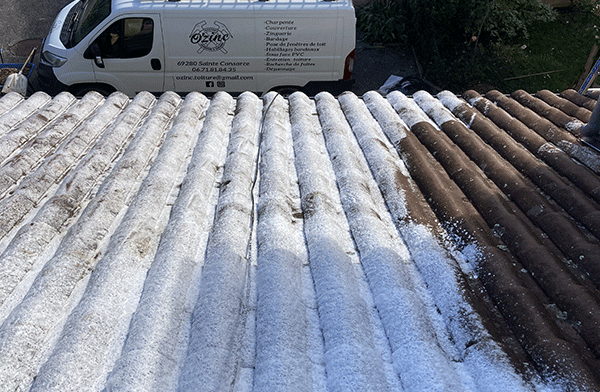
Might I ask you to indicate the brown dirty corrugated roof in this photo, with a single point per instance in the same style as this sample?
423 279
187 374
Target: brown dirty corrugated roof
294 244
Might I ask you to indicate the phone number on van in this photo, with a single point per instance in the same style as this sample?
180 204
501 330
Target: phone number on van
214 69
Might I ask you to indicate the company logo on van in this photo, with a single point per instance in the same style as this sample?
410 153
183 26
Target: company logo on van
210 38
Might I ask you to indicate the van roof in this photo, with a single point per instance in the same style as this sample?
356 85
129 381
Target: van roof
133 3
229 1
126 5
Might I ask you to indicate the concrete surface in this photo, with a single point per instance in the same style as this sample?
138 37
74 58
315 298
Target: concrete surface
24 24
373 65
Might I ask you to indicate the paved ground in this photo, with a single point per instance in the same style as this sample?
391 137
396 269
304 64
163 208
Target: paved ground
374 65
26 22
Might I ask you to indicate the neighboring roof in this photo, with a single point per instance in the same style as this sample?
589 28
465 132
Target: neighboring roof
296 244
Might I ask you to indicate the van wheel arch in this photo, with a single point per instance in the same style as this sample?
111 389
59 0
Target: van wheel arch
79 90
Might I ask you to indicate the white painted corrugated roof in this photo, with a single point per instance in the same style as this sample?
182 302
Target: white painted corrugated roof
294 244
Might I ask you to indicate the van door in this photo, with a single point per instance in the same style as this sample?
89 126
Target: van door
129 54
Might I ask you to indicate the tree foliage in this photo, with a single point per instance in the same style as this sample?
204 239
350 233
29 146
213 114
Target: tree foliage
382 21
460 43
483 19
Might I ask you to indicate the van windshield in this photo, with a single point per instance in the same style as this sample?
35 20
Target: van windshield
83 18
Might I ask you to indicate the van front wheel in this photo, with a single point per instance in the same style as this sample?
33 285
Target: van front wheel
82 89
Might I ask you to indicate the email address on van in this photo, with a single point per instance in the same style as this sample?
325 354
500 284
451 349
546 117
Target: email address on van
214 77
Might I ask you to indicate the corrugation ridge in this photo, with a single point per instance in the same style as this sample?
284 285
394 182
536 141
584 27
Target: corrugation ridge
219 314
282 347
34 125
43 145
578 99
545 128
443 276
558 117
9 101
150 358
35 186
351 358
47 141
564 105
97 327
411 325
24 332
519 235
559 226
523 311
580 176
32 240
22 111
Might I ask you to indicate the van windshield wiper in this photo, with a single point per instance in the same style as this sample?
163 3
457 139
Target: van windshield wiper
77 11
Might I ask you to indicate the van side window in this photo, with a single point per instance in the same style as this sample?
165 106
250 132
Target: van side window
127 38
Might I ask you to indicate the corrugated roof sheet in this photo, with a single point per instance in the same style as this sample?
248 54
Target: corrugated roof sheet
293 244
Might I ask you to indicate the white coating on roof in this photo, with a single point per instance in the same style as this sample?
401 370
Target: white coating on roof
263 244
450 100
407 109
433 108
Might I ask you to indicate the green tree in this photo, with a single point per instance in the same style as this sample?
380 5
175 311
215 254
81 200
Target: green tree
452 20
457 41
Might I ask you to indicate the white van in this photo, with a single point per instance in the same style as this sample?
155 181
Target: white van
199 45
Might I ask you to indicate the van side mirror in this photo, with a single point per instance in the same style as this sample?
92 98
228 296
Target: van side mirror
93 52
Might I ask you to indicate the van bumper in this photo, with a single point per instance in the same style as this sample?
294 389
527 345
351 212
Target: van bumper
44 79
334 87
